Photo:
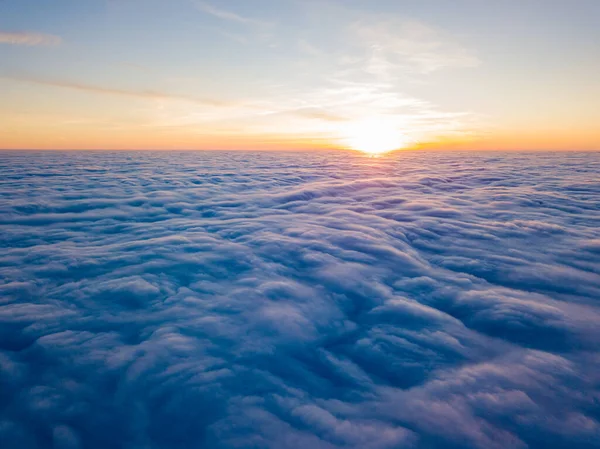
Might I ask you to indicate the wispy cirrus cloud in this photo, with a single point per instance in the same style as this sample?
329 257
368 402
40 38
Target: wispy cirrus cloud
144 94
369 77
237 27
227 15
28 38
402 46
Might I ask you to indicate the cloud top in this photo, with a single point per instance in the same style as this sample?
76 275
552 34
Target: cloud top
294 300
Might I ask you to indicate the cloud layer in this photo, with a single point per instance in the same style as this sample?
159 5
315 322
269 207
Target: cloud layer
223 300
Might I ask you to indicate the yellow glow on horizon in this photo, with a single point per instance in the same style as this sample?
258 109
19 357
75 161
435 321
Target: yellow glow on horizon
374 136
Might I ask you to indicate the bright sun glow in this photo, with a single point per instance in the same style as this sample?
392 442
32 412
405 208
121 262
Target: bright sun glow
374 137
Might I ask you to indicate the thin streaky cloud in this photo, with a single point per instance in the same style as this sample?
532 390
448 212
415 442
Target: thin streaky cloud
224 14
316 113
28 38
403 46
144 94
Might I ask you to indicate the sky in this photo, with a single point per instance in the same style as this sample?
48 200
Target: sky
300 74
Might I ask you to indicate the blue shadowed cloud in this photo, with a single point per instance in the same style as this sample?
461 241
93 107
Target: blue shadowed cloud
273 300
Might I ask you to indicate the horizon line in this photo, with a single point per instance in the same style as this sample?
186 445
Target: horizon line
308 150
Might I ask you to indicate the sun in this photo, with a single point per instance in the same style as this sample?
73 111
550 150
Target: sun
374 136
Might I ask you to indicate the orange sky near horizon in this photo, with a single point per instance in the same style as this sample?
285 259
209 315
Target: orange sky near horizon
33 136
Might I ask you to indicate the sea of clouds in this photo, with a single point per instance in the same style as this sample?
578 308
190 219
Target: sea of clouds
289 300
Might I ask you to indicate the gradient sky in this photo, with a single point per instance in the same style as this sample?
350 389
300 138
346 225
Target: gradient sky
292 74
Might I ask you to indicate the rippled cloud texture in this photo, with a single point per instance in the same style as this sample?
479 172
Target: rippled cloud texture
239 300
